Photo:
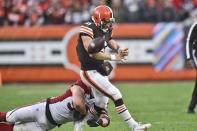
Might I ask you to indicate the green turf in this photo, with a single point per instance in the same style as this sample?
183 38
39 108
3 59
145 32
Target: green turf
163 104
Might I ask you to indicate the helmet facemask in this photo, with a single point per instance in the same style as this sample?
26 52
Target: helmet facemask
106 25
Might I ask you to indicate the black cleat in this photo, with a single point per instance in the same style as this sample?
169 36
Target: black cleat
189 111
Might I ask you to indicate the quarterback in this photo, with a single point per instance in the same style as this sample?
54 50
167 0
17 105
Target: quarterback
71 106
94 70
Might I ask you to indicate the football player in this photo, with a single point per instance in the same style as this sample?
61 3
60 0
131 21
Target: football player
47 114
191 59
94 70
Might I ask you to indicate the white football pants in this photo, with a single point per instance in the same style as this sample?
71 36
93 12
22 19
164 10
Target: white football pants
101 87
29 118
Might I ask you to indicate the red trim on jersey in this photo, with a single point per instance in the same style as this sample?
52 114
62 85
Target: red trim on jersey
80 83
90 81
63 96
68 92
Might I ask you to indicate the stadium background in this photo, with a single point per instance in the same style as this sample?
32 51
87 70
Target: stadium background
38 58
38 38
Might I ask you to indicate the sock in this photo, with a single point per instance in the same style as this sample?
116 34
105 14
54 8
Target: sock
3 116
124 113
6 127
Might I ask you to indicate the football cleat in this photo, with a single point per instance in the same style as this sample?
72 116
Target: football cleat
190 111
141 127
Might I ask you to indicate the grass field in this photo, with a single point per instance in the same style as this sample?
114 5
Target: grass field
163 104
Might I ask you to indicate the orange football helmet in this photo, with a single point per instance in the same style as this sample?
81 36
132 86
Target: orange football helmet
103 15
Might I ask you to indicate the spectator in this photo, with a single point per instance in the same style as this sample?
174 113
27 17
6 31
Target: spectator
18 13
2 14
76 14
133 11
119 12
55 13
41 12
149 11
168 12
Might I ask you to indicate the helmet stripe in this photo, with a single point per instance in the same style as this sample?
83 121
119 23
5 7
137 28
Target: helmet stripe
111 12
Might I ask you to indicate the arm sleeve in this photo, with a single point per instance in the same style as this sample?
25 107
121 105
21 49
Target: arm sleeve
191 39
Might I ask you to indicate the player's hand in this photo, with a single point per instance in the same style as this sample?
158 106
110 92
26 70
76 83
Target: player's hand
120 57
77 115
124 52
190 64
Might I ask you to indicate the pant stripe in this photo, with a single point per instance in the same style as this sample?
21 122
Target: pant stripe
88 79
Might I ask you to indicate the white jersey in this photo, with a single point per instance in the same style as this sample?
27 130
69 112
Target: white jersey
33 117
62 108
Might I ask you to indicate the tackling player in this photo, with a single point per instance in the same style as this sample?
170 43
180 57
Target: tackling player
47 114
94 70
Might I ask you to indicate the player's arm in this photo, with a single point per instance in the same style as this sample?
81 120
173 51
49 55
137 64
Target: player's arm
191 37
100 55
78 99
114 46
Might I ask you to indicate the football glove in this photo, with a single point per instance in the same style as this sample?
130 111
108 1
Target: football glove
95 121
77 115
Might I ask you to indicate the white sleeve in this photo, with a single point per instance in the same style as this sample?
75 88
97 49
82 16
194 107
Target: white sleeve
191 37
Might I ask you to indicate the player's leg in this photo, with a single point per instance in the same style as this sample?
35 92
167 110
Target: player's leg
93 110
103 87
3 116
6 127
22 114
28 126
193 101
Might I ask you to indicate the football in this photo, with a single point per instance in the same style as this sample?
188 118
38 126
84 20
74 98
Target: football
96 45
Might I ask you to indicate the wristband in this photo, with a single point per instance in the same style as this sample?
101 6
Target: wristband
113 57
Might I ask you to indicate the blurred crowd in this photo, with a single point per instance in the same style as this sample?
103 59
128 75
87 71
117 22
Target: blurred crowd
47 12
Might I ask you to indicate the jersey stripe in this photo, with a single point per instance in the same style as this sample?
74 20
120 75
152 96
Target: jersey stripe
82 28
86 30
85 27
91 82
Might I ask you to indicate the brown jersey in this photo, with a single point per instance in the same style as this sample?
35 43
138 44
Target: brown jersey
88 63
